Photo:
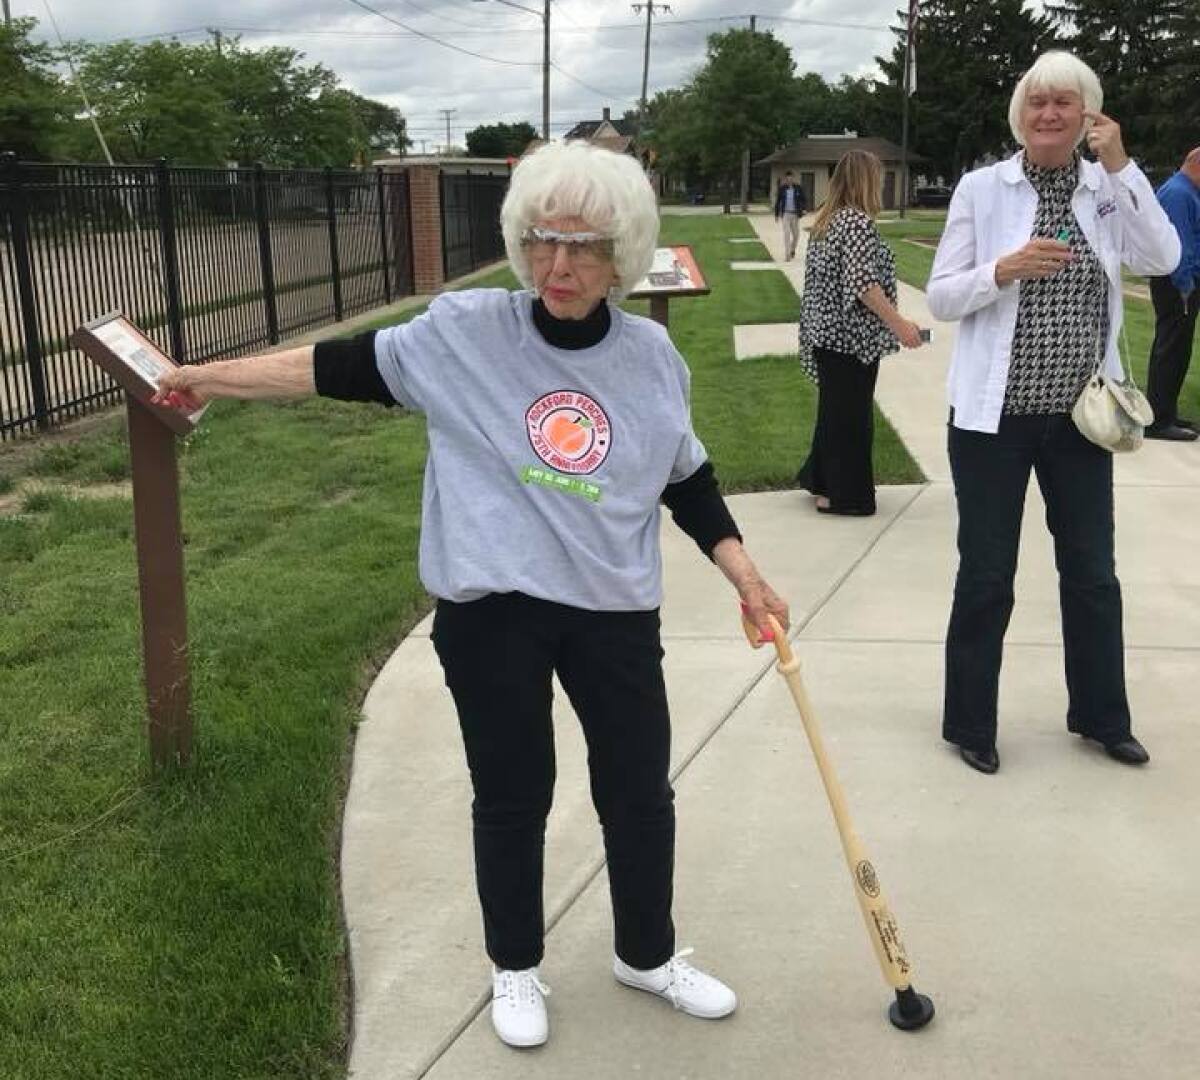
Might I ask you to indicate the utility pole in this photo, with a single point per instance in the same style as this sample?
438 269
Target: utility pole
906 92
650 8
746 150
546 73
544 15
448 114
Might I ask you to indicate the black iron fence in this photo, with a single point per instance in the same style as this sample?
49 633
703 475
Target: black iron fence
471 233
210 262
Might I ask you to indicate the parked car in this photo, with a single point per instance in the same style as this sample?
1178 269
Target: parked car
933 195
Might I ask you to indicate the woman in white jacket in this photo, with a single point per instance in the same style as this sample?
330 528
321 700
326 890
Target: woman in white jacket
1030 262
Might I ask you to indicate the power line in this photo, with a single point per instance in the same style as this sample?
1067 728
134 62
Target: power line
504 30
587 86
439 41
447 18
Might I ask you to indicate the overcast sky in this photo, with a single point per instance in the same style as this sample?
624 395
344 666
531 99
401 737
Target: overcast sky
597 42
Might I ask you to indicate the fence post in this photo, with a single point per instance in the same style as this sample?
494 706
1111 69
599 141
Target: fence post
23 264
334 263
471 220
170 258
445 246
264 252
383 236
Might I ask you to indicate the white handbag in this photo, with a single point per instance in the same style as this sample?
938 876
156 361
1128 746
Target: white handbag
1112 414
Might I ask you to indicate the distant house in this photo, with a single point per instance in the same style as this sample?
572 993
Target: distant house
616 135
812 161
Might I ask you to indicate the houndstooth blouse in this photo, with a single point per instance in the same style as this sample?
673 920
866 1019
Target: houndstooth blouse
1062 321
839 268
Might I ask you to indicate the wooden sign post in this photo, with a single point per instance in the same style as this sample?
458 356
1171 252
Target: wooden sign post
673 273
136 363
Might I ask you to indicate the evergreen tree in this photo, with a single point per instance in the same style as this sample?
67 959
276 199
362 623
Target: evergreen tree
970 54
1135 48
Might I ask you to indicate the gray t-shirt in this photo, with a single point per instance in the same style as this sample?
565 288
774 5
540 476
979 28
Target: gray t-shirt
545 465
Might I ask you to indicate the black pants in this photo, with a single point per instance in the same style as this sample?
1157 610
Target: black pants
991 474
1174 332
498 654
839 464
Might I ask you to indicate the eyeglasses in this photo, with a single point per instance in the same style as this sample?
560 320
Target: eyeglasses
585 249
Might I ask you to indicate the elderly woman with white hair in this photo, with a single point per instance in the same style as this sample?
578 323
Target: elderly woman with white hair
1030 262
557 424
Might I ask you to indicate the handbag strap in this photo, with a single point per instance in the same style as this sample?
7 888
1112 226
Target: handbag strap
1123 344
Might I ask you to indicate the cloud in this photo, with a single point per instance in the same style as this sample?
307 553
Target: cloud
594 42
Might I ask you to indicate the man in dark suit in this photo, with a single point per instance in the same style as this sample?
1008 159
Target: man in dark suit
789 206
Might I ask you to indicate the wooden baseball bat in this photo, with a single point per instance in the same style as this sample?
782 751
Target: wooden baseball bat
910 1010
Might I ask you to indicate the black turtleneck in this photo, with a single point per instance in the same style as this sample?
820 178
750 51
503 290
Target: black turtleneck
572 333
346 369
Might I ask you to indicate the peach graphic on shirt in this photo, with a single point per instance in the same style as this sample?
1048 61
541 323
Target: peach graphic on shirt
569 431
568 436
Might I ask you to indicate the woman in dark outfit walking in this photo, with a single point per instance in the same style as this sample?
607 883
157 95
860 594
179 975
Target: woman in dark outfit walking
848 321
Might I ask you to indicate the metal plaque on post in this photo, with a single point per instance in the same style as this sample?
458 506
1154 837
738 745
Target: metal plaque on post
674 272
137 364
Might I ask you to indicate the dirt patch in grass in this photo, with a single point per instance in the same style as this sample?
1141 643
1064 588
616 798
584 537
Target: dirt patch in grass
16 501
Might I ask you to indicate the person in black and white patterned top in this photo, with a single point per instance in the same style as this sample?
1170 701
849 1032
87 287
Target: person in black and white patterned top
1030 262
848 321
1062 320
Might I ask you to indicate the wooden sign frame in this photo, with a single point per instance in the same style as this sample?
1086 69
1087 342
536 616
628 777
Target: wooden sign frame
134 362
675 272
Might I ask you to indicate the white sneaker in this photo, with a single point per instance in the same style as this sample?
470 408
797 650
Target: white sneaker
519 1007
684 986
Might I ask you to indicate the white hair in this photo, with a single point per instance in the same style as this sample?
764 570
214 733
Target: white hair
1055 71
576 179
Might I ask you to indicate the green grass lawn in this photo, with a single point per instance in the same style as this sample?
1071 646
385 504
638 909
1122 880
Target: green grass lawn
186 927
914 262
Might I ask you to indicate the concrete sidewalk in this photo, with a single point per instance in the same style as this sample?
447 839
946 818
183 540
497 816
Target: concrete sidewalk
1048 910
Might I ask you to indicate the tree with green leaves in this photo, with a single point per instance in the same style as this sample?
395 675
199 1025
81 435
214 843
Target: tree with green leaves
1145 53
743 98
500 140
216 102
970 54
151 100
34 105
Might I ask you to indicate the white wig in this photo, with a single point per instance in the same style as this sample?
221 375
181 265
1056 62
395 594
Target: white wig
576 179
1055 71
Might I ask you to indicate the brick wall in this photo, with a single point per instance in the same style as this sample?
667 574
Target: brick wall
425 194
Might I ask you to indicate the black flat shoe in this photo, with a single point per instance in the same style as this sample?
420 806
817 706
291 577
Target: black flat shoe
986 761
1189 424
845 511
1128 752
1172 433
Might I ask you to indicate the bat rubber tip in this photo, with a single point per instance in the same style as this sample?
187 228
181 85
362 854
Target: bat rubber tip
910 1011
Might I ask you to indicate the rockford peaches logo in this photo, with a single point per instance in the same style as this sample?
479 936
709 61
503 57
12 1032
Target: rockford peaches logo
569 432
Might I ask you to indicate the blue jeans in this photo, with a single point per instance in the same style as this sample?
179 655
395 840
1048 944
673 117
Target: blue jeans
991 475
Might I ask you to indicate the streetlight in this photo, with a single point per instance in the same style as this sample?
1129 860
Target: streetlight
545 17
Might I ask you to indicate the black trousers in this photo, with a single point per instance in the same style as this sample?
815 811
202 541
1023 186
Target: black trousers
839 464
1171 353
991 474
498 655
